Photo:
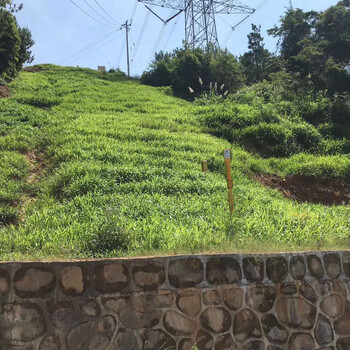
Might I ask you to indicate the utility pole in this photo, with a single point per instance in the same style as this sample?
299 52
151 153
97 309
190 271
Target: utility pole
127 26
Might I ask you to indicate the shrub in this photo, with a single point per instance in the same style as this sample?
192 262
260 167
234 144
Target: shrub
306 137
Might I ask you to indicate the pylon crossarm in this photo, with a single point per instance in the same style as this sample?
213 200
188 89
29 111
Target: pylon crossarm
232 7
171 4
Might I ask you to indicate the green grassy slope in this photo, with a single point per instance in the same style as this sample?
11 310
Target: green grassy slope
122 176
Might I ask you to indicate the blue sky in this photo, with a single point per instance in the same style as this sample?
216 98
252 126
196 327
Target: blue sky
61 30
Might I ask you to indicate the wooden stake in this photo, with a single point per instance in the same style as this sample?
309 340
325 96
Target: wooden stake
227 156
205 166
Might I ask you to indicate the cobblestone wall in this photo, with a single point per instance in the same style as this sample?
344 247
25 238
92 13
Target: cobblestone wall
220 302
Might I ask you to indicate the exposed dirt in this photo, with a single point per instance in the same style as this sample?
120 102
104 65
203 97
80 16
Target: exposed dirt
309 189
33 69
36 161
4 91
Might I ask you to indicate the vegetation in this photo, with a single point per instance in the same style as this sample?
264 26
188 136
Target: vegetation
121 175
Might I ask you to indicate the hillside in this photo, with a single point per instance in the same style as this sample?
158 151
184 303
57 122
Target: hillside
99 166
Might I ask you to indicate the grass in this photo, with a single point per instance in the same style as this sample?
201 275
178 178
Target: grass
122 177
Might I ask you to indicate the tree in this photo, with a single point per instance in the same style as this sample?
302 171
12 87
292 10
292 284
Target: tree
25 55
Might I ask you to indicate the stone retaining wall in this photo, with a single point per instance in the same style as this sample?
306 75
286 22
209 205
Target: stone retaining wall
220 302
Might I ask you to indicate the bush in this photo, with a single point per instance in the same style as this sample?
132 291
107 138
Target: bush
305 138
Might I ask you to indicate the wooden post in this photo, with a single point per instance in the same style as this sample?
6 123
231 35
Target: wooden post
227 156
205 166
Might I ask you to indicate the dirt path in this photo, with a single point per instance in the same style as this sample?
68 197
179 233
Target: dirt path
308 188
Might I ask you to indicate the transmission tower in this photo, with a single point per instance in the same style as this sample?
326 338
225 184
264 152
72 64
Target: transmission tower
200 25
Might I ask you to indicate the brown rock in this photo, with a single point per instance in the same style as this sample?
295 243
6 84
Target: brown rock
343 344
216 319
289 288
177 324
156 340
225 342
301 341
148 275
62 314
74 280
346 264
211 297
342 324
332 305
339 287
296 312
163 299
90 309
323 330
297 267
254 345
204 341
186 344
232 297
95 334
261 298
308 293
51 342
34 282
223 271
21 322
136 311
323 287
246 325
126 340
277 269
273 330
112 278
253 268
332 265
4 282
189 302
185 272
314 264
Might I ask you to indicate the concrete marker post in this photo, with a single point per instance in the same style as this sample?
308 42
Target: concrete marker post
227 157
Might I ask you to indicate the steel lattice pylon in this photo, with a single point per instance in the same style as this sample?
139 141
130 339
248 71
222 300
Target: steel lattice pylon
200 25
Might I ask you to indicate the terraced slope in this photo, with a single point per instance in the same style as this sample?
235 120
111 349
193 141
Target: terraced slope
103 166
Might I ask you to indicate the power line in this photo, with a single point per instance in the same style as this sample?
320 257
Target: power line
106 11
145 21
98 13
170 35
94 19
87 47
121 53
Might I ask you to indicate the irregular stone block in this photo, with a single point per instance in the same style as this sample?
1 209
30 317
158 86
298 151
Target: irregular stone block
18 347
21 322
62 314
148 275
216 319
34 282
223 271
289 288
276 269
272 347
186 344
211 297
332 305
273 330
51 342
332 265
163 299
185 272
342 324
126 340
246 325
297 267
232 297
254 345
177 324
301 341
323 330
204 341
90 309
296 312
323 287
74 280
261 298
189 302
136 311
112 278
346 264
225 342
339 287
308 293
343 344
314 264
5 282
96 334
253 268
157 339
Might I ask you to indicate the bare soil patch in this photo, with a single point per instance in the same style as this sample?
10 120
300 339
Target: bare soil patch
33 69
309 188
4 91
